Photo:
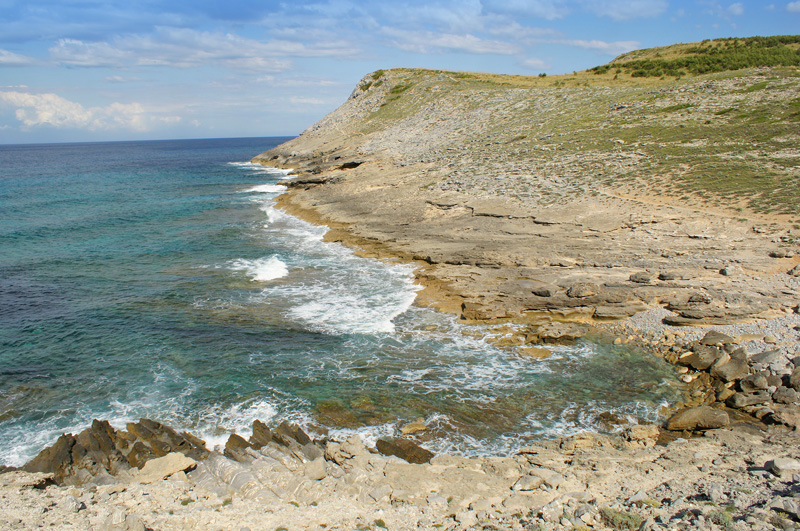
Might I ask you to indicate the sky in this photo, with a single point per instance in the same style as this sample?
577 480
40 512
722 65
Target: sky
96 70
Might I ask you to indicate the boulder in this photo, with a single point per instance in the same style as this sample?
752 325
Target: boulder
236 448
784 466
163 467
642 434
642 277
795 271
766 357
794 379
753 382
582 290
740 400
542 291
698 418
404 449
702 357
534 352
558 333
786 396
713 338
734 369
317 469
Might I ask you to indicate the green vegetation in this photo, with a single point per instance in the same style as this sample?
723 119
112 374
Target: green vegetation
719 55
399 89
678 107
722 519
621 519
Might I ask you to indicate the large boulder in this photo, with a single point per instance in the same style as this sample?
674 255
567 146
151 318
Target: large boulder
404 449
163 467
702 357
698 418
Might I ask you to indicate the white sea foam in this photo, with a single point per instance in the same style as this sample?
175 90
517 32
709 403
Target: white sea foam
216 423
258 168
266 189
261 269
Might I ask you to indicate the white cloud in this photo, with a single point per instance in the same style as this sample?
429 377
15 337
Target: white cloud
736 9
516 31
534 63
184 48
121 79
306 101
12 59
34 110
626 9
431 42
793 7
612 48
546 9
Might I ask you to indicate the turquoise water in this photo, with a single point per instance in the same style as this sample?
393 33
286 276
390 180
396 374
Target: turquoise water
156 279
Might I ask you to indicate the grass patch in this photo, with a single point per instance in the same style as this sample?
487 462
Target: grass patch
621 519
678 107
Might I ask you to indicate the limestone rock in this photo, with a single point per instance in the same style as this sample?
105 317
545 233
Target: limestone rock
734 369
558 333
766 357
404 449
698 418
784 466
529 482
413 427
642 434
753 382
583 441
794 379
317 469
740 400
582 290
642 277
163 467
713 338
236 447
534 352
702 357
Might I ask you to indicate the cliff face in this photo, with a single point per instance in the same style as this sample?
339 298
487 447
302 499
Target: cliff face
571 198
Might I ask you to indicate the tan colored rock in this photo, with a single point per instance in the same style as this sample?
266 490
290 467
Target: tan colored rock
698 418
534 352
163 467
413 427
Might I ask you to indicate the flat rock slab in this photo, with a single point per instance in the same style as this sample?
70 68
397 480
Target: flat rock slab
163 467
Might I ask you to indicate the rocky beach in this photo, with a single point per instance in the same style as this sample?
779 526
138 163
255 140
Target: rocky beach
658 214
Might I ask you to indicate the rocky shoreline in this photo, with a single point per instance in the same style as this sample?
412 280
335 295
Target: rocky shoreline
513 213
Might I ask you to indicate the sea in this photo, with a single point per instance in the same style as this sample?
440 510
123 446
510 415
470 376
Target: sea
158 279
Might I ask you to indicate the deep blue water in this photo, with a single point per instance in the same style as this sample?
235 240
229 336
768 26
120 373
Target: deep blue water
156 279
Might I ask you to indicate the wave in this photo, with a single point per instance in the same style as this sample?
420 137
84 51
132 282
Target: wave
258 168
266 189
261 269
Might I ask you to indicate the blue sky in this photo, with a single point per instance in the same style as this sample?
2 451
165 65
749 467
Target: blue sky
85 70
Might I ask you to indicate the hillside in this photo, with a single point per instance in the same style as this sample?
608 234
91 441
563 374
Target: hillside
567 180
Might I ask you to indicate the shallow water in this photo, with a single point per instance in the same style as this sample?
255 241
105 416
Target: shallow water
157 279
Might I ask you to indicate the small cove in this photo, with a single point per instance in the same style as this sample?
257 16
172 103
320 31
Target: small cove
157 279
